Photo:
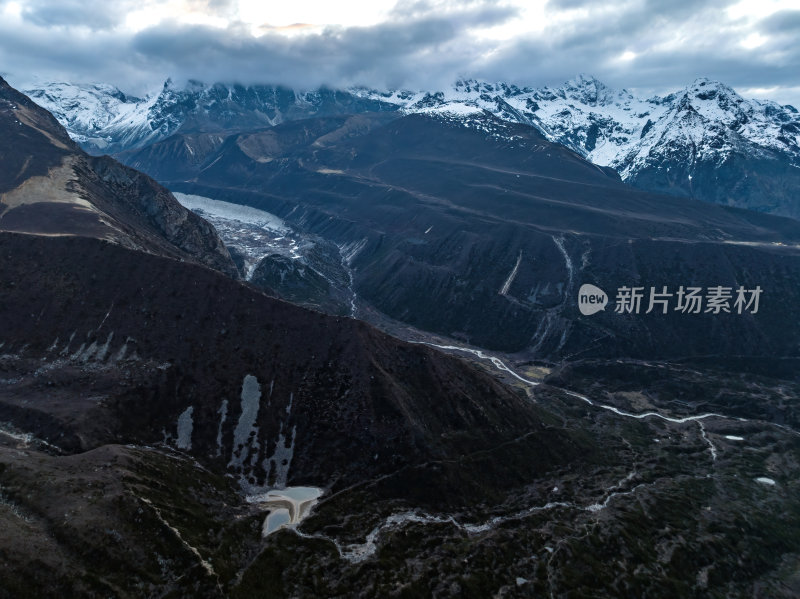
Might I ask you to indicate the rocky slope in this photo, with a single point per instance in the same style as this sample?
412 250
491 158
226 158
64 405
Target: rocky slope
50 186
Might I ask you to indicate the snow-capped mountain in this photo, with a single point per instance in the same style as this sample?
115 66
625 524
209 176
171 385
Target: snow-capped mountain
704 141
584 114
97 116
104 120
612 127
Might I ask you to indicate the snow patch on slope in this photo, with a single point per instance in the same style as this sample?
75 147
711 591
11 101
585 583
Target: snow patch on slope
185 426
245 433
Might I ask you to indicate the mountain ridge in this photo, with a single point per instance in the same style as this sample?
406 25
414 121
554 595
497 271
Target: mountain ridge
49 186
428 217
168 399
704 141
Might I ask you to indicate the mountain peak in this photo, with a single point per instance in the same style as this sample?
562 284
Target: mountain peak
716 102
704 88
708 82
589 90
585 79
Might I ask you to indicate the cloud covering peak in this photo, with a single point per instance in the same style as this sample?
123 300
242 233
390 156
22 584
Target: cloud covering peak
645 44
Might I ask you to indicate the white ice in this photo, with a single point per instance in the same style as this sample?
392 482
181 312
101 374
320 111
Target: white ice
229 211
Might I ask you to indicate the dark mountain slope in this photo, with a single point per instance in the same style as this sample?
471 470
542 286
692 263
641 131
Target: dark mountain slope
103 344
50 186
28 131
149 406
483 231
118 347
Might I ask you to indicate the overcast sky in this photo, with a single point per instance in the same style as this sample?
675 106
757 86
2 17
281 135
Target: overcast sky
648 46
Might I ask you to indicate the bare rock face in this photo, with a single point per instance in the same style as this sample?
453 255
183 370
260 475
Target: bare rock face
49 186
154 207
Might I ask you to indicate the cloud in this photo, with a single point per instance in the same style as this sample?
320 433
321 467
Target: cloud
388 54
424 47
647 44
782 22
650 45
94 14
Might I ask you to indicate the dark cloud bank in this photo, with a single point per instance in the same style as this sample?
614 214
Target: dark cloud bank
422 45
